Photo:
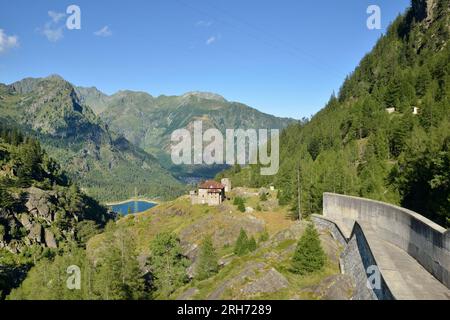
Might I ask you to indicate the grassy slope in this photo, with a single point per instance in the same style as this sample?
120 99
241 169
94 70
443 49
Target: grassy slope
193 223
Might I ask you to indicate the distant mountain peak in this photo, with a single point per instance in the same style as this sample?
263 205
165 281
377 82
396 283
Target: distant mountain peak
122 93
54 77
204 95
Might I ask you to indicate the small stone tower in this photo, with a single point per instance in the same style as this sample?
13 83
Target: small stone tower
226 183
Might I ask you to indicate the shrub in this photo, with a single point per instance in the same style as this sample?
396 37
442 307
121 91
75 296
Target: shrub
240 203
244 245
263 236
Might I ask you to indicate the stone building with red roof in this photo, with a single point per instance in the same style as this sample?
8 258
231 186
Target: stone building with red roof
209 192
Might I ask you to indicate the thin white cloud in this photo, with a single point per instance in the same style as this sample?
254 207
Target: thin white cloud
53 34
53 30
103 32
205 24
211 40
7 42
56 16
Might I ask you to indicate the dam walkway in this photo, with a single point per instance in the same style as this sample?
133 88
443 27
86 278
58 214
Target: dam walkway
411 252
406 278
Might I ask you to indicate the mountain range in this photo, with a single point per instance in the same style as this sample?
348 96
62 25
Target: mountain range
117 146
148 121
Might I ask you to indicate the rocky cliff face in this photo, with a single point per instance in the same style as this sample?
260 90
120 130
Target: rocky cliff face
39 218
38 206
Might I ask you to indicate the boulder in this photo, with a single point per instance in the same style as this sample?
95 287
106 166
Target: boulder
38 202
26 222
249 210
225 261
191 270
50 239
35 233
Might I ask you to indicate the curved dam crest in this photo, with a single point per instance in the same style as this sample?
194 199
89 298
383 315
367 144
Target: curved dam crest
411 252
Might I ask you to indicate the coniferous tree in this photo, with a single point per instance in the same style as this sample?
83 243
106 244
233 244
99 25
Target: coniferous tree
309 255
207 263
167 263
240 248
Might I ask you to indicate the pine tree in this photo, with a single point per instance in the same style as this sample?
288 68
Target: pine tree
240 248
167 263
207 264
244 245
6 200
309 255
117 275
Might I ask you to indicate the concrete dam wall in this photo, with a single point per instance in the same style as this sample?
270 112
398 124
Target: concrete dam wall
355 259
422 239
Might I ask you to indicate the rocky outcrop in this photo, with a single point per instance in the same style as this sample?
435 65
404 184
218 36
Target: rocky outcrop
32 224
250 270
35 234
336 287
39 203
270 282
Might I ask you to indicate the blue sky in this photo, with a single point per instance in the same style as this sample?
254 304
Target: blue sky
282 57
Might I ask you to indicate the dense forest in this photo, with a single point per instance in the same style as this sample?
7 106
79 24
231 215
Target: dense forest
386 135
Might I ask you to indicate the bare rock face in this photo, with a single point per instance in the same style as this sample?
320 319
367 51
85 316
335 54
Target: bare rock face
26 222
249 271
270 282
337 287
38 203
36 233
50 239
424 9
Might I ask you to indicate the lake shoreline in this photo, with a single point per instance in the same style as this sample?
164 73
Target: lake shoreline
109 204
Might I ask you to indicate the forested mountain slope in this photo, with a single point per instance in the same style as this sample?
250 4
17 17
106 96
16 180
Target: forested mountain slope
105 164
355 146
41 212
